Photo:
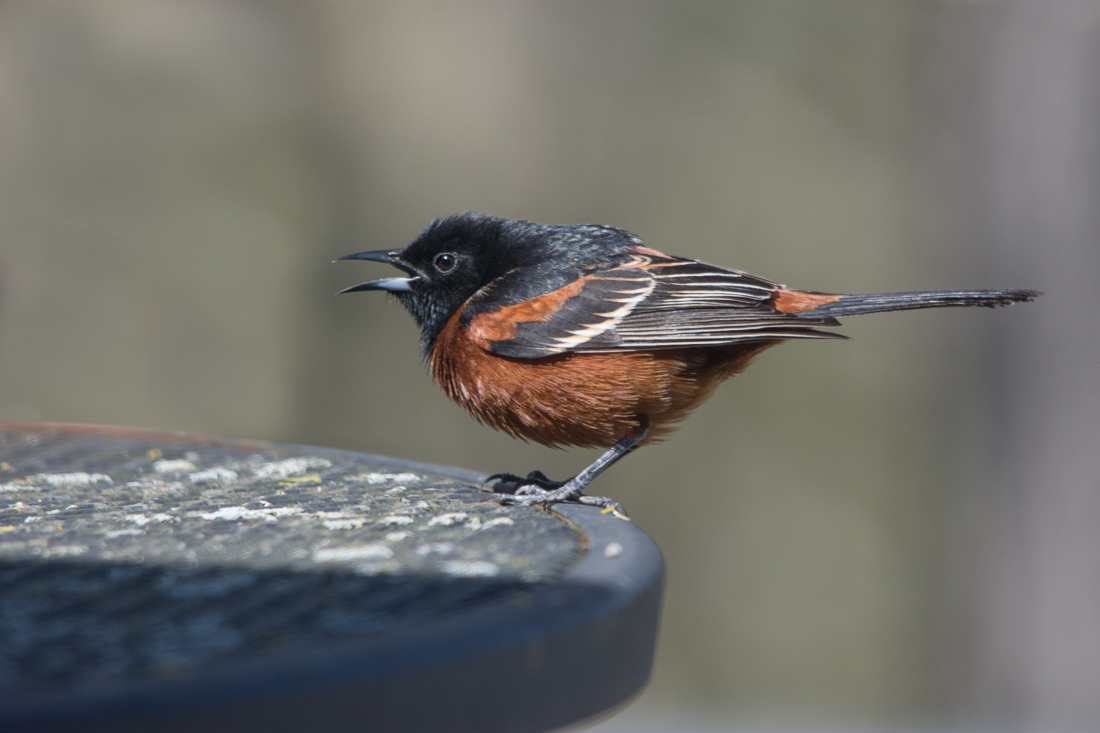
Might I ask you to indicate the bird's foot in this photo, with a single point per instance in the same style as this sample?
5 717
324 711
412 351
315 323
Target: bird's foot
538 490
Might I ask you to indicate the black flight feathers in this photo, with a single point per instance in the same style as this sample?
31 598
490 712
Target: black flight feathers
653 302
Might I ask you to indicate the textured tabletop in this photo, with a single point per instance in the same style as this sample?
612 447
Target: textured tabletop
143 574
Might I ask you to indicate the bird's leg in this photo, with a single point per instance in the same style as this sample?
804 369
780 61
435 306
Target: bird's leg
537 489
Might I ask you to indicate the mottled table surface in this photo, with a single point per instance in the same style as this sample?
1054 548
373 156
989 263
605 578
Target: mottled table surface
145 576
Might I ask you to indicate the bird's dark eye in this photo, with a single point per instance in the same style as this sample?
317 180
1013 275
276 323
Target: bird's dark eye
445 262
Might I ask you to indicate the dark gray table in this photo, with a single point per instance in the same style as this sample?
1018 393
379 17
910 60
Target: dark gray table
163 581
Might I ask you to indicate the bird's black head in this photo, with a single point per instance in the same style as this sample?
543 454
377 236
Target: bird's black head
456 258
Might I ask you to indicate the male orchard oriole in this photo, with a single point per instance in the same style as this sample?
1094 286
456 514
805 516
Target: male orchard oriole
580 335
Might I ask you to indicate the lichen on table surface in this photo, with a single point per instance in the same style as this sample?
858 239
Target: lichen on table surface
129 556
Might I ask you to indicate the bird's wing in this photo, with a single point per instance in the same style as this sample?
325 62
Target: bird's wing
649 302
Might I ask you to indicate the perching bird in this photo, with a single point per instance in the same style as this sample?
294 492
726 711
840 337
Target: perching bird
579 335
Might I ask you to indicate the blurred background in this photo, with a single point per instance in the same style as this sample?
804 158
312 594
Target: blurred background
898 531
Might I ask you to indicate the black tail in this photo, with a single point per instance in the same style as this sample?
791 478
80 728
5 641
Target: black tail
854 305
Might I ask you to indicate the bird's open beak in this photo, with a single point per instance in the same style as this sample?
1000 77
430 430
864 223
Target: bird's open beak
392 284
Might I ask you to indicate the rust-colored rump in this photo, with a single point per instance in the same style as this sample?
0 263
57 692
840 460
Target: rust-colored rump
795 301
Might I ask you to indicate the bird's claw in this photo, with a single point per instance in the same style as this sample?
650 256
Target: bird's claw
538 490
